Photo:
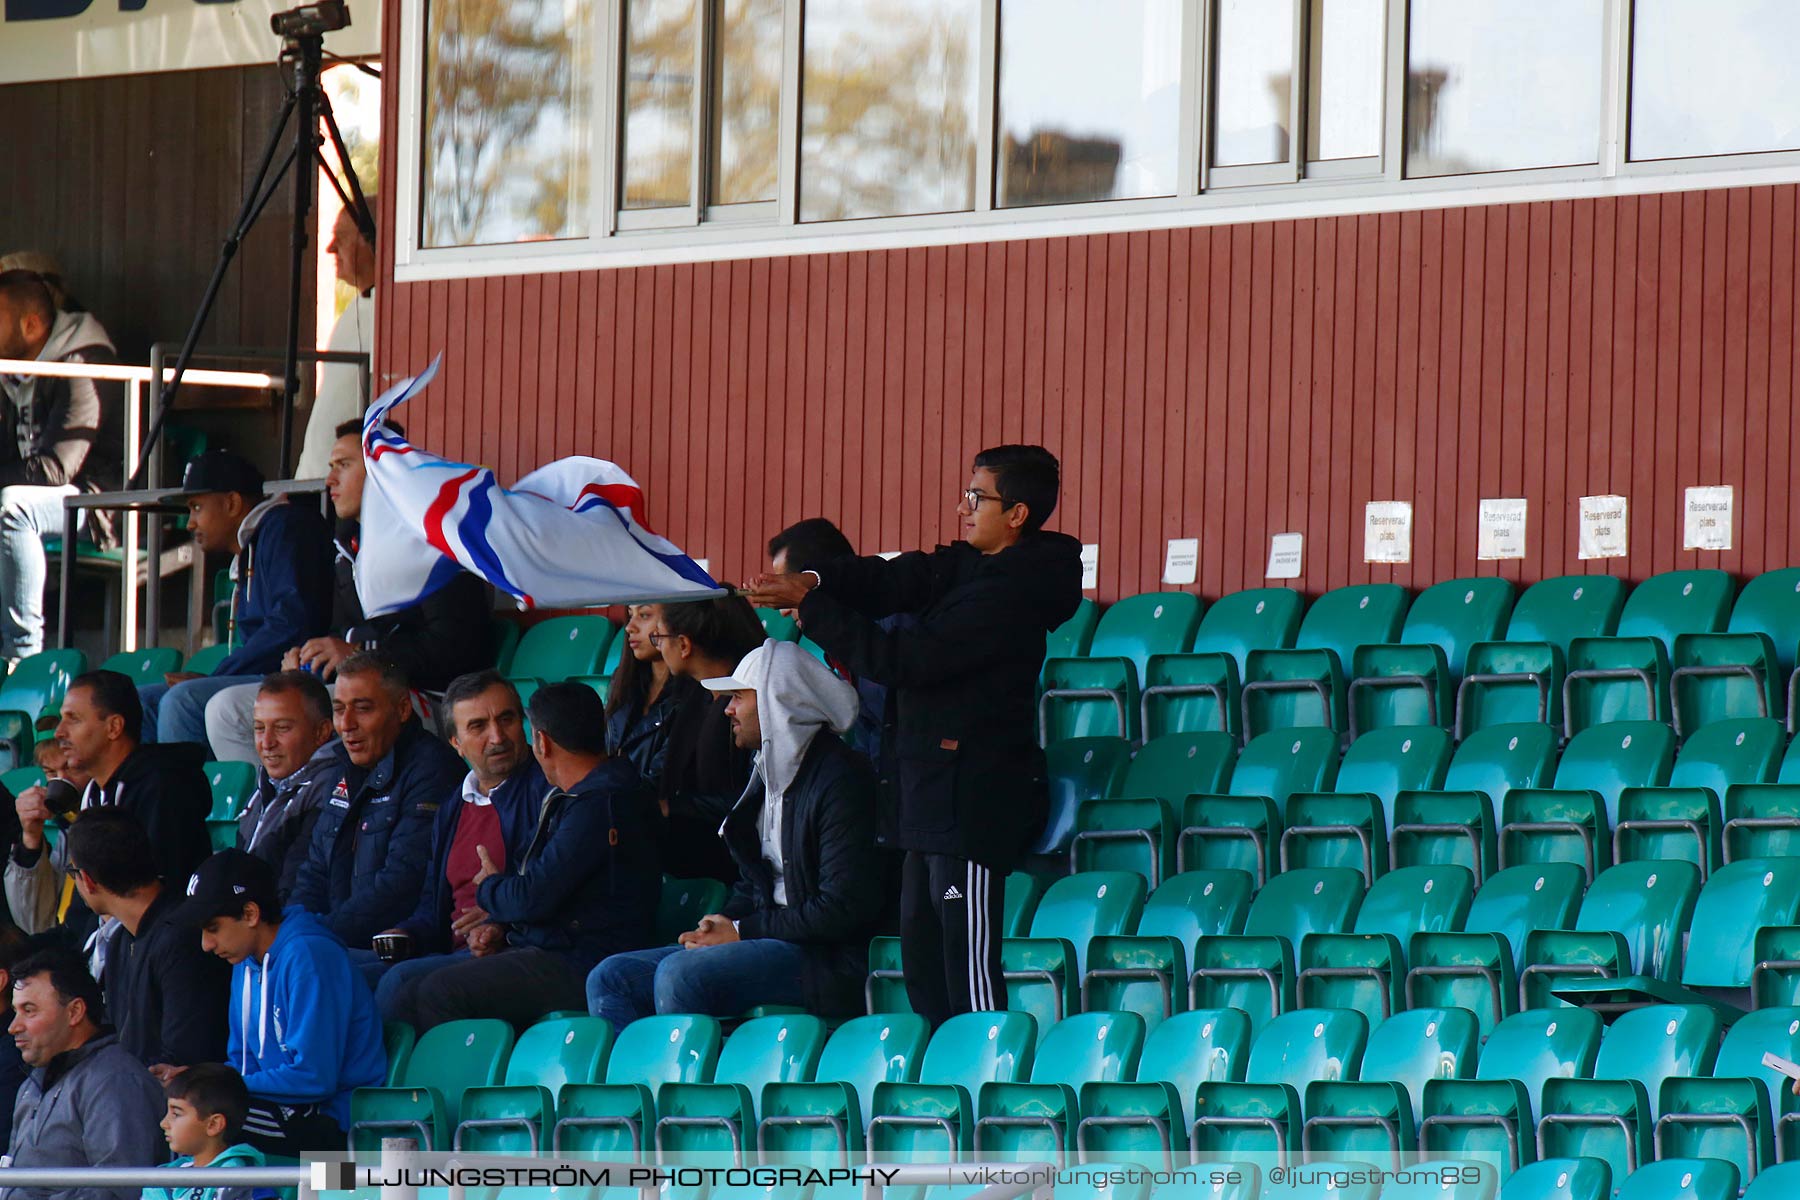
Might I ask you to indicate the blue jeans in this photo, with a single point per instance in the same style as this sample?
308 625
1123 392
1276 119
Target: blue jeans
27 514
178 714
720 981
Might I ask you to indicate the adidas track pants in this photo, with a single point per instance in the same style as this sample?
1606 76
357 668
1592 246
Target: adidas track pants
950 928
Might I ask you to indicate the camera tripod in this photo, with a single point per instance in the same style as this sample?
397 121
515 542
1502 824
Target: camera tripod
302 52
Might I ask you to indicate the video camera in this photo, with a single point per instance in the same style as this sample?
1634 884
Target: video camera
311 20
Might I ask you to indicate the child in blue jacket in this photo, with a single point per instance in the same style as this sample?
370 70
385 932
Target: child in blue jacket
207 1106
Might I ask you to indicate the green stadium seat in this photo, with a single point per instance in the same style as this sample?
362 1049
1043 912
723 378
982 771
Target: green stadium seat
232 783
1519 680
1146 1122
1682 1179
936 1114
1079 770
683 903
1044 970
1744 671
1611 1116
1304 686
1775 966
1631 923
1762 820
1241 826
884 989
1626 677
1375 1118
613 1118
1492 1113
20 778
1731 1114
829 1116
34 688
1019 902
1456 824
144 666
398 1039
506 634
1740 898
778 625
1682 819
1263 1114
1128 829
1349 825
1036 1121
1254 970
206 660
1779 1182
1143 972
1098 694
817 651
711 1117
1413 680
1200 689
1072 638
553 650
425 1104
516 1116
1572 820
1559 1179
1477 968
1366 969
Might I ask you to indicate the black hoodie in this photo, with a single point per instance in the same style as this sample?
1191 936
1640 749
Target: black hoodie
962 771
165 995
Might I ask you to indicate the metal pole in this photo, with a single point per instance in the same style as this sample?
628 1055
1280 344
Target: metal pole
128 576
153 527
66 577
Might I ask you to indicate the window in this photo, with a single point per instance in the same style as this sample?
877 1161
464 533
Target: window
889 107
1500 85
1713 77
1345 80
506 137
1253 103
744 133
1090 100
657 161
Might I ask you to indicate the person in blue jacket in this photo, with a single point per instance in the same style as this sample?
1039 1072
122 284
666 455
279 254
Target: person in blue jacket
282 583
304 1031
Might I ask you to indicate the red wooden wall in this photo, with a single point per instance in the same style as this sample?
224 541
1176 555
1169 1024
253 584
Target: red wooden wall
1223 383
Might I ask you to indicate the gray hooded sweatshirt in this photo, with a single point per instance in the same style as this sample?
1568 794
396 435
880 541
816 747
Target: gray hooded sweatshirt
93 1106
63 431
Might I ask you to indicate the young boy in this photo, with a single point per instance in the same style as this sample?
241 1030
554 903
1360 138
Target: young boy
207 1103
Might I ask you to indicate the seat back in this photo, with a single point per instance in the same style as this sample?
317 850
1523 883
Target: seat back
1560 1178
1500 758
560 1050
1738 899
1307 1044
678 1048
1072 638
683 903
1203 1045
1306 900
1608 758
1416 900
1649 904
974 1048
1652 1043
1682 1179
1079 906
1754 1034
1402 758
1198 904
231 784
1717 755
458 1055
1019 903
1078 769
1284 761
38 681
1457 613
147 664
1175 765
1531 896
764 1050
1677 602
557 648
1101 1046
1138 626
1540 1044
1347 617
1565 607
880 1048
1770 605
778 625
1420 1044
1254 619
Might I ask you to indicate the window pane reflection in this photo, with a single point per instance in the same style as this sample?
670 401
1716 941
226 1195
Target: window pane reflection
746 100
1345 82
1496 85
1089 99
1252 112
889 107
506 121
657 158
1714 78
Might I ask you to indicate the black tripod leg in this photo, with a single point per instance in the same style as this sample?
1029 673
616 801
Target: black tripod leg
306 109
354 200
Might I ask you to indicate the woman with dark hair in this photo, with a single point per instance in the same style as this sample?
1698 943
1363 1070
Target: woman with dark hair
642 697
704 772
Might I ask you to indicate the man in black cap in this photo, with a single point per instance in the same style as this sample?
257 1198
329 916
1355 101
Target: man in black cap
281 594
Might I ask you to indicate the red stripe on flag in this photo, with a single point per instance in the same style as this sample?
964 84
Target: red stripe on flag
619 495
440 508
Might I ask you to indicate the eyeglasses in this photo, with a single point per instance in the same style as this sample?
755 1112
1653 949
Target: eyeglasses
657 639
973 498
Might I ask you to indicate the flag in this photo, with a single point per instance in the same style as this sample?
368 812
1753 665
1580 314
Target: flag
569 535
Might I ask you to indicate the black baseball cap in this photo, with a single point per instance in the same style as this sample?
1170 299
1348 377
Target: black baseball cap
222 886
219 471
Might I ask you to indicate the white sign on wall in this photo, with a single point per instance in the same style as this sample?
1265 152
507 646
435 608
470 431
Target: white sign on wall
1090 566
1706 519
1604 527
1285 551
1500 529
1183 562
71 39
1387 531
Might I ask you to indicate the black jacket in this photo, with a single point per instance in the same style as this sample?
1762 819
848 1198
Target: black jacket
836 877
961 722
704 772
277 824
589 883
518 801
372 843
447 634
640 735
166 996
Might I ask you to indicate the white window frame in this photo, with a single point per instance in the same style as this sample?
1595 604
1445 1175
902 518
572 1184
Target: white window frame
719 233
